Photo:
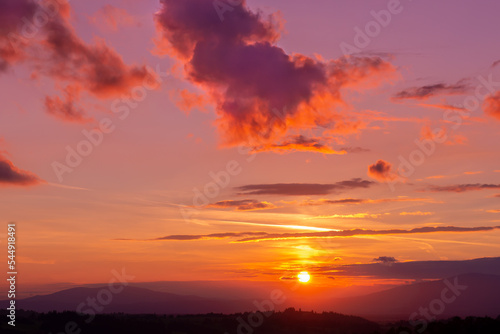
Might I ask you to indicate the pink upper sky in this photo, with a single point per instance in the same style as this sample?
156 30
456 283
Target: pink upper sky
213 141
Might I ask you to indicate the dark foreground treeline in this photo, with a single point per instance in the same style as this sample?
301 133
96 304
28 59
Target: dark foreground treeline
288 322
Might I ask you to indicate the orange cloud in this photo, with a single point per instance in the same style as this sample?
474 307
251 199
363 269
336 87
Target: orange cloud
473 173
186 100
491 105
457 140
97 68
381 171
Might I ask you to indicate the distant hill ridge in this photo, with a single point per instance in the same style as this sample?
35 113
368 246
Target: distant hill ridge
463 295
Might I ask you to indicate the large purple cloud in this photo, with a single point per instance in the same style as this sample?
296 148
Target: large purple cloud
261 93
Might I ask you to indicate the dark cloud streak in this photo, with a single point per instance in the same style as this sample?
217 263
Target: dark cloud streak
460 188
264 236
360 232
242 205
302 189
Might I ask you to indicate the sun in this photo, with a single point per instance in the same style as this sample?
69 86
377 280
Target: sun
304 277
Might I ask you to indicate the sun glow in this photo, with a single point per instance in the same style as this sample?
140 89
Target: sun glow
304 276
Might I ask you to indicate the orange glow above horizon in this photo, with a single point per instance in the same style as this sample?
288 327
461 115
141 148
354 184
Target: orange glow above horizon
252 159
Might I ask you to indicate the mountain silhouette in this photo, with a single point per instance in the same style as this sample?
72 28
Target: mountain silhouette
480 297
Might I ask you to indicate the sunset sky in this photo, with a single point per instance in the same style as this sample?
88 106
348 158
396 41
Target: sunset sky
229 140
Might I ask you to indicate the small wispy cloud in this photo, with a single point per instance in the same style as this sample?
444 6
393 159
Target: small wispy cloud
442 106
298 143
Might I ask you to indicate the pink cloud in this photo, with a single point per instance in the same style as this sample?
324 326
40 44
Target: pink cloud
63 56
66 109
